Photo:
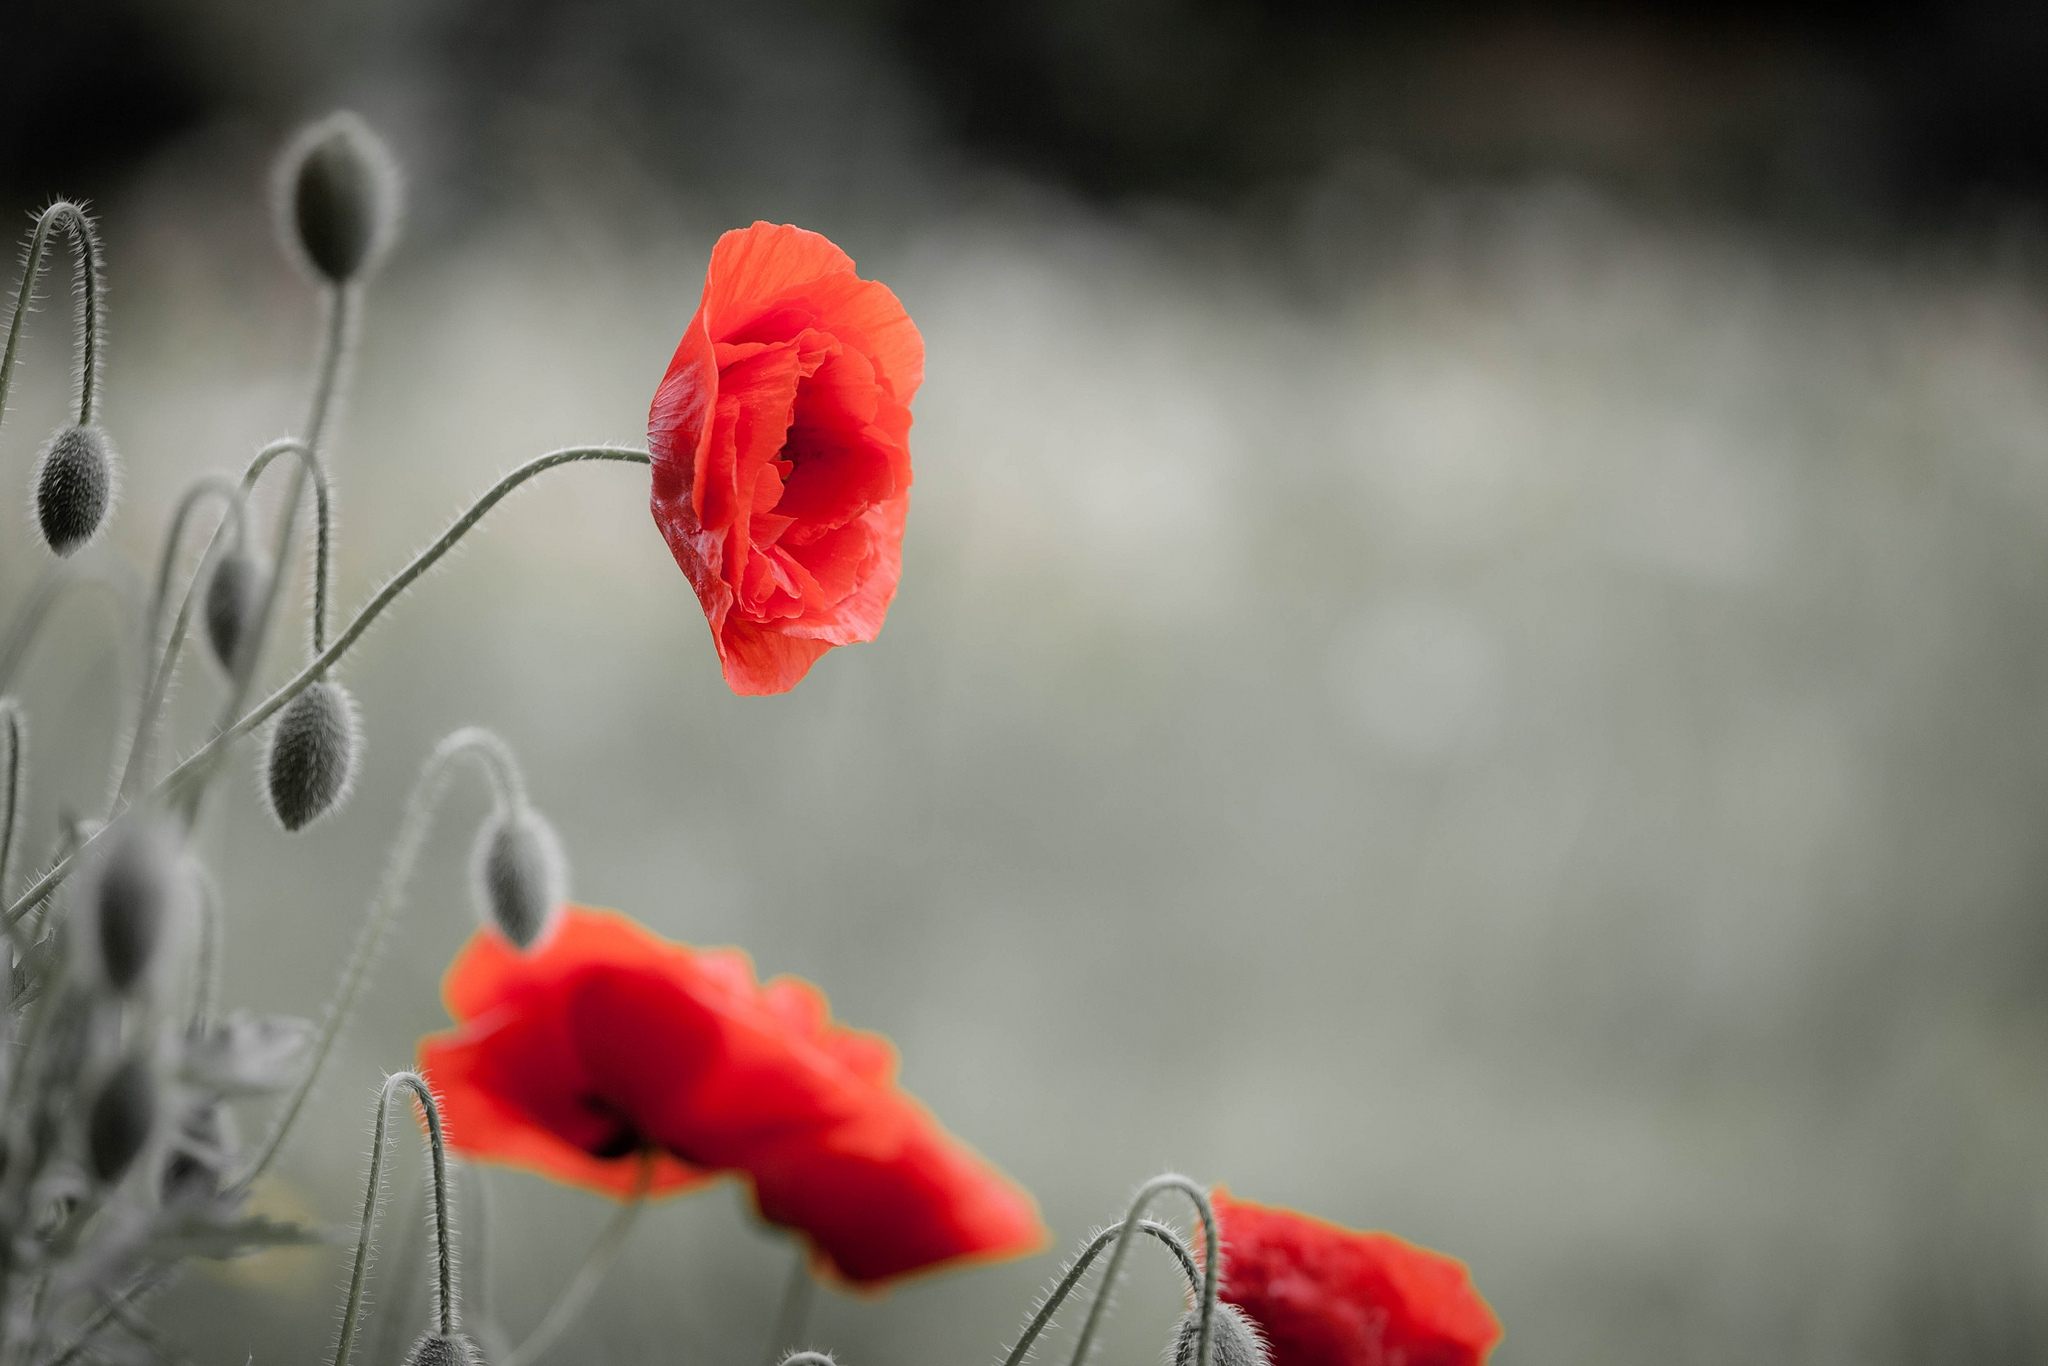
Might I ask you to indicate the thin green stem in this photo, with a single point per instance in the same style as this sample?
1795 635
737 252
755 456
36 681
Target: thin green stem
794 1313
110 1308
212 950
310 465
1059 1293
413 826
208 754
85 243
15 733
373 1197
22 631
342 305
198 491
1148 1192
589 1273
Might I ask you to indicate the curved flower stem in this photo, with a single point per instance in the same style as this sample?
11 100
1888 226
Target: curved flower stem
11 783
373 1197
413 825
323 554
589 1274
1207 1299
212 949
794 1313
207 755
198 491
85 243
343 304
1079 1269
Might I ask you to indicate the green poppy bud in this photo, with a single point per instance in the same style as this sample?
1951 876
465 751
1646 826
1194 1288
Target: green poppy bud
439 1349
518 877
1233 1340
141 892
312 755
75 485
234 595
123 1115
338 198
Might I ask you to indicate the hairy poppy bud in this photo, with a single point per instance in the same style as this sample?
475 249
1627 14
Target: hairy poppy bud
312 755
338 197
234 595
123 1114
142 891
519 877
75 482
441 1349
1233 1340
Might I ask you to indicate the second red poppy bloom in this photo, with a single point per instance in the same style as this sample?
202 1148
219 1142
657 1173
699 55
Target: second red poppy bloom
781 445
605 1046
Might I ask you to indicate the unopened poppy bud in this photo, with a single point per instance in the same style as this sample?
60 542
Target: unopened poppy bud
338 197
312 755
234 595
1233 1341
142 890
519 877
75 481
123 1114
444 1349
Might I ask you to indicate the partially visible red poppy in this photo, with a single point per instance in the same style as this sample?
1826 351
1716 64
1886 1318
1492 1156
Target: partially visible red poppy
1329 1296
781 445
605 1044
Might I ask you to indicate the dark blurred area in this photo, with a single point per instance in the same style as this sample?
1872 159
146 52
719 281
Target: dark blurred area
1838 115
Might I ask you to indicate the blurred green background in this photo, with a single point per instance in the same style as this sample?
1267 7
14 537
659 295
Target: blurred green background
1469 659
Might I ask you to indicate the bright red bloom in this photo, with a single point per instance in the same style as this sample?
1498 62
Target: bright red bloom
781 444
605 1042
1328 1296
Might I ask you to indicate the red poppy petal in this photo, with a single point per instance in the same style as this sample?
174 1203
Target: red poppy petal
752 266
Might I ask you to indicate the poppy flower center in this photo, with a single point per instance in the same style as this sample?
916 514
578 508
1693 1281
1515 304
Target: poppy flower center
624 1138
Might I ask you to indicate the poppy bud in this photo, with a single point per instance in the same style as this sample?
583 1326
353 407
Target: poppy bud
75 482
234 595
519 877
122 1116
444 1349
141 892
312 755
1233 1340
338 197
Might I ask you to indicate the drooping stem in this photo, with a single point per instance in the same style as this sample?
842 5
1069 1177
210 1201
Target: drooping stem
206 486
794 1313
14 733
310 465
589 1273
373 1198
342 304
413 826
1206 1301
85 244
1059 1293
208 754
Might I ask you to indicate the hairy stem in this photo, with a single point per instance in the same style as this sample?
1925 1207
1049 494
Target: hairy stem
413 826
85 244
198 491
1059 1293
208 753
1152 1189
794 1313
589 1273
14 732
373 1197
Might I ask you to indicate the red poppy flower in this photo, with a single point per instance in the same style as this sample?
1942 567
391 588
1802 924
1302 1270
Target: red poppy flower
606 1043
1328 1296
781 445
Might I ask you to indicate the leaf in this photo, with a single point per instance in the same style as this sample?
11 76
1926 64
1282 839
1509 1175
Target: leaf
194 1235
247 1055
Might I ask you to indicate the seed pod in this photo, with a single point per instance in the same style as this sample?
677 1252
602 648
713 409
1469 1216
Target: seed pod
75 485
312 755
437 1349
518 876
338 198
1233 1340
234 595
142 891
123 1114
